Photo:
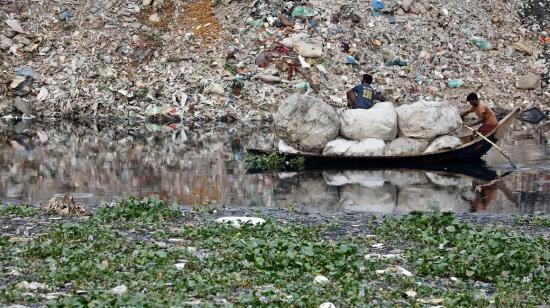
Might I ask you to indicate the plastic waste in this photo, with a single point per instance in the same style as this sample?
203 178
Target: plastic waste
15 26
397 62
455 83
66 15
377 5
544 39
481 43
303 62
133 119
229 102
533 115
165 109
256 23
303 11
351 60
302 85
237 85
322 71
313 23
262 60
26 71
468 31
345 46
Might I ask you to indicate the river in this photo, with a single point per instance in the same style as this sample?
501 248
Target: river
100 164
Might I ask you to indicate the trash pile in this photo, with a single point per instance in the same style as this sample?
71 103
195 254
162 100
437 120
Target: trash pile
202 61
65 206
308 124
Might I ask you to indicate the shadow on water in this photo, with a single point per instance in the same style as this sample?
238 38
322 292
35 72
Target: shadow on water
98 164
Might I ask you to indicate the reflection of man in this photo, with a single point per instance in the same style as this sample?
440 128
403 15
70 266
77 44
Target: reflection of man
484 114
486 195
484 198
237 149
362 95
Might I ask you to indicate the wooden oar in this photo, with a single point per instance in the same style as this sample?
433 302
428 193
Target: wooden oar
493 144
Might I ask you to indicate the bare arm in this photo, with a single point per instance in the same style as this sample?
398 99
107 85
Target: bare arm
479 120
465 113
477 123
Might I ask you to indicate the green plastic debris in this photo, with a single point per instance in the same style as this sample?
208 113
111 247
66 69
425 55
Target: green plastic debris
455 83
132 120
302 85
256 23
303 11
481 43
397 62
153 109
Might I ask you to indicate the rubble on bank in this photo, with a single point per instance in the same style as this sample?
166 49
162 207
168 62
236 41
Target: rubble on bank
200 61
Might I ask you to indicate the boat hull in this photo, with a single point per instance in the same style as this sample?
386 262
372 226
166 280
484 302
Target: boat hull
469 152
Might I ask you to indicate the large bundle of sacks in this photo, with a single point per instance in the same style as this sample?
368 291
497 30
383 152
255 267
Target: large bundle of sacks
308 124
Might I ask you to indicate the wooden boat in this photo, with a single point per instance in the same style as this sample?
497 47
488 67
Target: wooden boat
465 153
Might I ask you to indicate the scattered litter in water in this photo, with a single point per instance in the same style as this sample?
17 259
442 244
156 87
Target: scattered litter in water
533 115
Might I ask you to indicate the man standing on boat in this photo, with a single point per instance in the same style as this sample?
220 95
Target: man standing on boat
485 115
362 95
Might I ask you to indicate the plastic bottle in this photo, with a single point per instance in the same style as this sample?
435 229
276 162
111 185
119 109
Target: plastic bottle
455 83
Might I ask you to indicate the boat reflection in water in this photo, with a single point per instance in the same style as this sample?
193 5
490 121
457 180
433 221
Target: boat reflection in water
195 167
388 191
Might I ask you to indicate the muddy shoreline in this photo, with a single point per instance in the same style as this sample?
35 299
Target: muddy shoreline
343 224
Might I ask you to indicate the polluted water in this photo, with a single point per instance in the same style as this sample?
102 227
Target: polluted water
100 164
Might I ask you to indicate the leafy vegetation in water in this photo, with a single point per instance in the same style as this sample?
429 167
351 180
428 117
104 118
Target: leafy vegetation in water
517 266
135 209
274 162
536 221
170 261
20 210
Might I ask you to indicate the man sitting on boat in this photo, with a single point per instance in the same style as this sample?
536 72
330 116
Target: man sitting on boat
484 113
362 95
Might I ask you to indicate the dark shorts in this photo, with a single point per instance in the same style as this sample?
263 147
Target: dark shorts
364 104
485 129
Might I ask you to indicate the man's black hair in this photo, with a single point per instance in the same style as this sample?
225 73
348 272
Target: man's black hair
472 97
367 78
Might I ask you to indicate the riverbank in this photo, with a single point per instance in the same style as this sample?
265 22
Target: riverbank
219 61
150 253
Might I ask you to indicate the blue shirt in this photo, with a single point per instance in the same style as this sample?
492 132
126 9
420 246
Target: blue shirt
365 95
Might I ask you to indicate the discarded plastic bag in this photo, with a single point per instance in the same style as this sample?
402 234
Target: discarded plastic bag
397 62
533 115
153 110
377 5
262 59
481 43
455 83
302 86
310 48
351 60
303 11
